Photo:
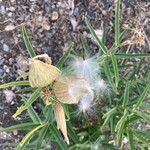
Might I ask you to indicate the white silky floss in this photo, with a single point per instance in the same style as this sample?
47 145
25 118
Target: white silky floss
89 70
86 102
101 87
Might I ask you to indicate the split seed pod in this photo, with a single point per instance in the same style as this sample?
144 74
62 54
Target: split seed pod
42 74
60 119
70 90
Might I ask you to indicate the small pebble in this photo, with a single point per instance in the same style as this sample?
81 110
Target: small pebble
10 14
46 26
55 15
9 95
11 60
11 9
6 48
74 23
10 27
2 10
6 68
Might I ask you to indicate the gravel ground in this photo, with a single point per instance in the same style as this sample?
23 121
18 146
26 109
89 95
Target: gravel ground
52 26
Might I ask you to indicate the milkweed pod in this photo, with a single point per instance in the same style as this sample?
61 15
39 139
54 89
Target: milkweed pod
42 74
60 119
61 91
70 90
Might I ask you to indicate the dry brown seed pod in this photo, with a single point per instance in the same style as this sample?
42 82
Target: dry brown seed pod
60 89
60 119
42 74
70 90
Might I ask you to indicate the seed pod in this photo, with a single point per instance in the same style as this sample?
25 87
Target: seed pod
61 91
70 90
60 119
42 74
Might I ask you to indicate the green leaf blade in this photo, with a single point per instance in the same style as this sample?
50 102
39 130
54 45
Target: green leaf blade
15 83
22 126
33 97
41 137
115 68
28 45
130 139
142 96
126 95
28 137
99 42
57 137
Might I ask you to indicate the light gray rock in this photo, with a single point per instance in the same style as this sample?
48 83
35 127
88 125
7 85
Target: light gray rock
9 95
6 48
2 9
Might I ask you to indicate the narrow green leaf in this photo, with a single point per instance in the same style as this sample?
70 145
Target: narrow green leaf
23 107
71 132
67 114
143 115
117 21
120 127
24 90
109 75
27 42
41 137
115 68
109 115
132 118
16 83
105 35
110 112
21 126
85 46
122 120
32 113
57 137
83 146
131 56
120 133
112 124
142 96
65 56
48 113
143 136
28 137
130 139
126 95
99 42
